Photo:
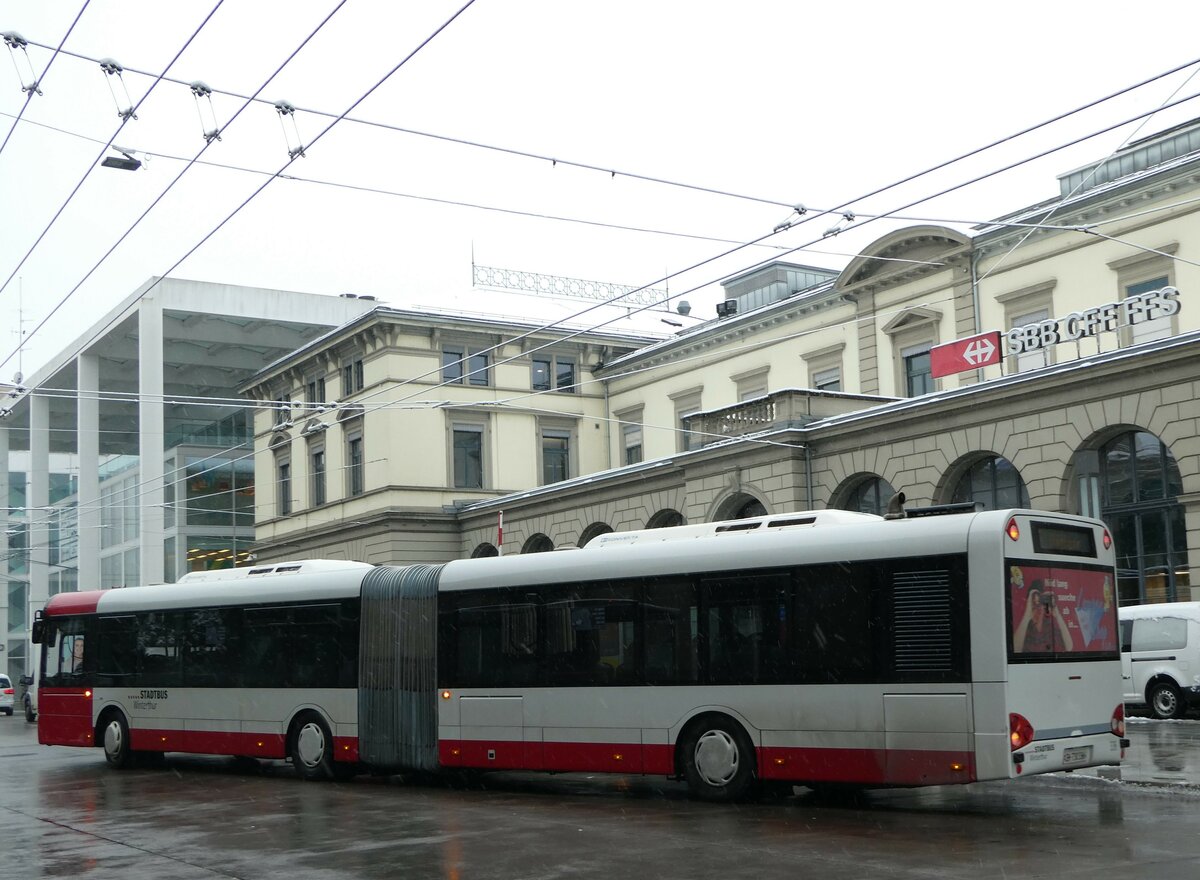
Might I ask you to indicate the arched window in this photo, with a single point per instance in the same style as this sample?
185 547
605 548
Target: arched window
484 549
665 519
538 543
595 530
1139 487
870 496
740 505
994 483
750 508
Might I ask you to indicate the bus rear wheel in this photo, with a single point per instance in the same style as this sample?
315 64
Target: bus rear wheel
114 733
718 760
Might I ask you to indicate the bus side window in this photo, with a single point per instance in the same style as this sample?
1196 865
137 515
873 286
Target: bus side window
117 660
671 624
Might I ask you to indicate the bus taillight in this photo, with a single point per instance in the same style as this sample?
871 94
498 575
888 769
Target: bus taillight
1117 725
1012 530
1020 731
1107 540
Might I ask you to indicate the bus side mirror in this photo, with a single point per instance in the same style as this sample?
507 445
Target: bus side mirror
39 630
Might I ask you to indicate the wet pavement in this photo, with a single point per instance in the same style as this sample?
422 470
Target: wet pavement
63 813
1161 753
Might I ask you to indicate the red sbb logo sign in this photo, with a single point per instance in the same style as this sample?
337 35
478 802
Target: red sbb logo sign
965 354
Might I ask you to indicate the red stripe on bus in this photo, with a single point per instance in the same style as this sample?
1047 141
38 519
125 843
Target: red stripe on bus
73 603
65 719
861 766
867 766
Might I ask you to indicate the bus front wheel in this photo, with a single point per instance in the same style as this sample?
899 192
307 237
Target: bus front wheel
311 749
718 760
115 739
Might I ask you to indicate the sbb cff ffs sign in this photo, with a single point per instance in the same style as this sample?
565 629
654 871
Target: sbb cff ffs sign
965 354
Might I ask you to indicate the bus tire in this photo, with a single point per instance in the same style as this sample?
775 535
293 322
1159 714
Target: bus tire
30 715
1164 701
114 737
310 747
718 759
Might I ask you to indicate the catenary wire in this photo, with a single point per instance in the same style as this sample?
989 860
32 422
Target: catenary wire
33 89
912 203
1166 102
647 178
207 143
92 165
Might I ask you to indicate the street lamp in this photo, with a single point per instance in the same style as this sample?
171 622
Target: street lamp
129 163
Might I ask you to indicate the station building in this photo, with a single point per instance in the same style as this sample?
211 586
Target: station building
814 392
405 435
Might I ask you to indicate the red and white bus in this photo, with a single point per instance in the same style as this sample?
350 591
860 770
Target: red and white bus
813 648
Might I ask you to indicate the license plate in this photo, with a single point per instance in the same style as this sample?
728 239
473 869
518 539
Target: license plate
1077 755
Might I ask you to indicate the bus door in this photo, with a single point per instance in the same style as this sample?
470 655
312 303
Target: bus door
64 700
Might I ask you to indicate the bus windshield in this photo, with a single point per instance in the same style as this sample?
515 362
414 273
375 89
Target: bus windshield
1060 609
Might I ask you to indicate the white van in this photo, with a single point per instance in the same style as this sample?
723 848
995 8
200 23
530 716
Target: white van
1160 657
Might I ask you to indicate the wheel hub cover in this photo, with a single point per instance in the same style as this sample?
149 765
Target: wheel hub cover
311 745
717 757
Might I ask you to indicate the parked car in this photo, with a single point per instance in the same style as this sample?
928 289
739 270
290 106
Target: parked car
29 698
1160 657
6 695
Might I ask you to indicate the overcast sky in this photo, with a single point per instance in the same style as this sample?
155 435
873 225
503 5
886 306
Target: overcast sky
770 103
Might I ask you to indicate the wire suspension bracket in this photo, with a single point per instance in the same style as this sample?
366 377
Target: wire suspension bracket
17 43
287 110
202 93
112 69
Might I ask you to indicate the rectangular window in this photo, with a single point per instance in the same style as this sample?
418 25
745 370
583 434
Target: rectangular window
283 410
352 377
284 486
553 373
316 390
317 487
1157 328
631 437
918 372
828 380
355 465
452 365
467 365
556 456
1039 357
468 457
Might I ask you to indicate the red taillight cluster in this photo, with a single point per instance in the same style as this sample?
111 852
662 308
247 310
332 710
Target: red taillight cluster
1020 731
1117 724
1013 530
8 690
1107 540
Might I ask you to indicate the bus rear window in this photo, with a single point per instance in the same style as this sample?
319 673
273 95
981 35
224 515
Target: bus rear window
1057 610
1061 540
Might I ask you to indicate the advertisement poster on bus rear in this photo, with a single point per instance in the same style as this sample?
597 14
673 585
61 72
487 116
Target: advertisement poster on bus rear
1061 610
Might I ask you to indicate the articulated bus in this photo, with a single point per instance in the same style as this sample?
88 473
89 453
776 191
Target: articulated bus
819 648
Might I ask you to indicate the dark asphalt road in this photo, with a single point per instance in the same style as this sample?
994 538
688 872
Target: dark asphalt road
66 814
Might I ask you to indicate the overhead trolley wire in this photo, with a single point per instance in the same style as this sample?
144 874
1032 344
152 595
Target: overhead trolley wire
854 223
207 143
33 88
92 166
